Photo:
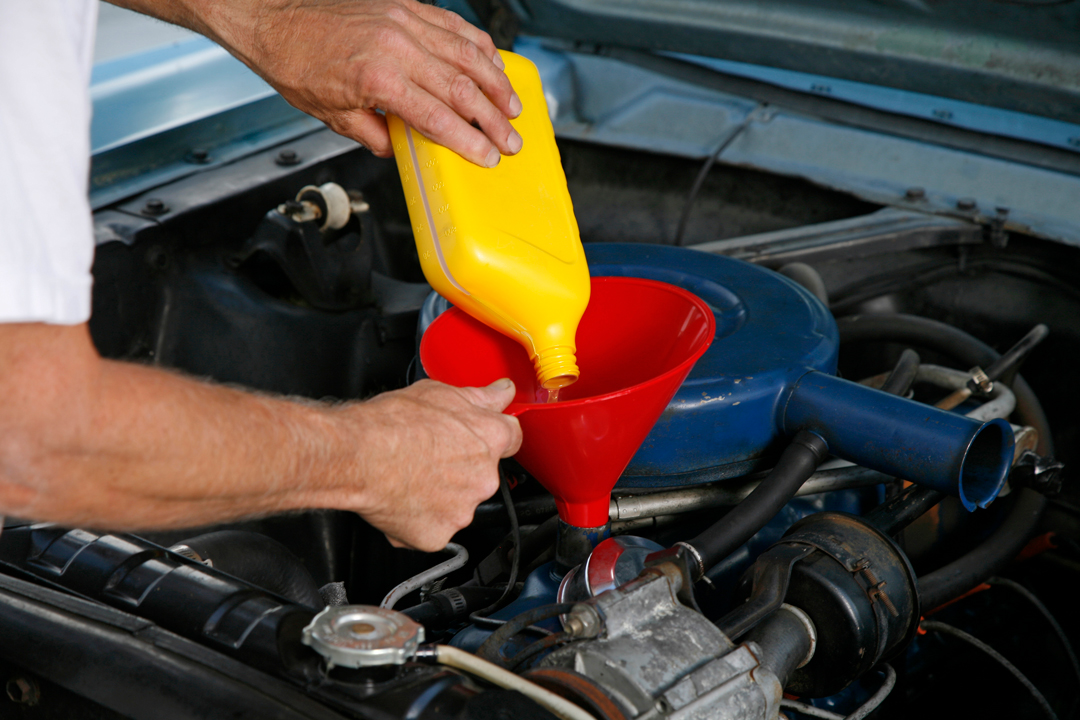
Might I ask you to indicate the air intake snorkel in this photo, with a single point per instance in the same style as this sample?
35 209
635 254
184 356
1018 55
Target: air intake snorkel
936 448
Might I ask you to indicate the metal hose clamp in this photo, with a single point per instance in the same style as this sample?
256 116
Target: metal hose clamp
697 557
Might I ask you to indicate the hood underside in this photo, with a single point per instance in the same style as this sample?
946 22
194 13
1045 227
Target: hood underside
1013 54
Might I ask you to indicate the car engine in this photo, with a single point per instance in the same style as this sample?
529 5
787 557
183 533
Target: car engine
855 505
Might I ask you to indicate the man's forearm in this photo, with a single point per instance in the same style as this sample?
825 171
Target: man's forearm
86 441
123 446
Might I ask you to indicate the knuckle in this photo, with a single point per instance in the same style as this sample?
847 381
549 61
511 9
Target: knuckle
452 21
438 120
462 89
485 40
398 14
467 52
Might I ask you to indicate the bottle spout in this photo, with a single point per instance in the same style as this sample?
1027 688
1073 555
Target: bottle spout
556 367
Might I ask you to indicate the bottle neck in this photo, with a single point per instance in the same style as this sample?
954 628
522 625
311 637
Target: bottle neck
556 367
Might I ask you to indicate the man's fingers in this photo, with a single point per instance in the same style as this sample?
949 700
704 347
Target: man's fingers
514 444
495 396
456 24
368 128
464 55
438 122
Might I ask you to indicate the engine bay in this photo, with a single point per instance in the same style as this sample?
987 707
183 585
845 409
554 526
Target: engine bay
833 587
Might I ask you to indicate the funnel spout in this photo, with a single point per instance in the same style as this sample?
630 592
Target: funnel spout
942 450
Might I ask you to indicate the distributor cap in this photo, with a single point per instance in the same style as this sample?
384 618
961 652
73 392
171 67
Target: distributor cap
356 636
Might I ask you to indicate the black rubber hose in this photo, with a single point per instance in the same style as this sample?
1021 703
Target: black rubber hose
895 515
258 559
948 340
903 375
995 552
797 463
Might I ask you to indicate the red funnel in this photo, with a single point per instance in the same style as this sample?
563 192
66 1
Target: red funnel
636 343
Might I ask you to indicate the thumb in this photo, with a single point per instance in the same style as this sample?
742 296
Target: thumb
495 396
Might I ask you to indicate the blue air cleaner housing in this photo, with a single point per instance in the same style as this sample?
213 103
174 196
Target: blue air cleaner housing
770 372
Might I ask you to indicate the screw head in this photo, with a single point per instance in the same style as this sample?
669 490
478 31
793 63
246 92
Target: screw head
199 156
966 203
287 157
155 206
915 193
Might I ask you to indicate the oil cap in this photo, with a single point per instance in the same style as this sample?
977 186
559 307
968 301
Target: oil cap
357 636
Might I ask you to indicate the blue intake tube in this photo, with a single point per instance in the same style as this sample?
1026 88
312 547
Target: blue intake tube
943 450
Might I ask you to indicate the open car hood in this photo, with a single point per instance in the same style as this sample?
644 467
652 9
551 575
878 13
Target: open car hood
1017 55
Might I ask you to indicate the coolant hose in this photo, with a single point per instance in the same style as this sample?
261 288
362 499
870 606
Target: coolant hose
256 558
995 552
797 463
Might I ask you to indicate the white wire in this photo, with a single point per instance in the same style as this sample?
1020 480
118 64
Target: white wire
461 556
455 658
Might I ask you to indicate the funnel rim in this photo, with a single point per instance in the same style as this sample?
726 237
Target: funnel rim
516 408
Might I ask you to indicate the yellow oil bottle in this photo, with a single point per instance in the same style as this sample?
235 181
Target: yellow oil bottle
502 243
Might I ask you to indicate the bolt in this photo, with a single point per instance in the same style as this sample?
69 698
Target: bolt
154 207
199 156
286 158
915 193
23 690
966 203
157 258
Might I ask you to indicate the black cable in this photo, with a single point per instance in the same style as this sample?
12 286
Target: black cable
700 179
945 629
536 648
489 650
515 563
1045 612
1002 546
798 462
495 624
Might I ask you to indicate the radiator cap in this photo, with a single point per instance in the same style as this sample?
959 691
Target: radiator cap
357 636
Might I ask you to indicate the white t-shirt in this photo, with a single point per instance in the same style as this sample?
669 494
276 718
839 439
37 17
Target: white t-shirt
46 234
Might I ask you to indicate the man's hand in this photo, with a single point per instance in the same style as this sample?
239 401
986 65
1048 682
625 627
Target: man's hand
341 61
437 458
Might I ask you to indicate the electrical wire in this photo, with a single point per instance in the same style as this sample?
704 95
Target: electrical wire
877 698
1045 612
946 629
515 562
680 231
860 712
455 658
490 649
810 710
496 624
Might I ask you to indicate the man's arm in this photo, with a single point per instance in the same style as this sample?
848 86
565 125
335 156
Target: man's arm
341 61
87 441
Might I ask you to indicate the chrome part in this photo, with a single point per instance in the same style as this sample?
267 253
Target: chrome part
356 636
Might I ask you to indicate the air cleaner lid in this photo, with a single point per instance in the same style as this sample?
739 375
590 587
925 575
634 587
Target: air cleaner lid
769 332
